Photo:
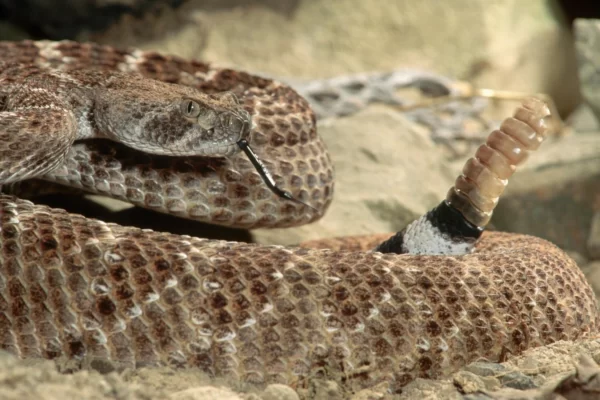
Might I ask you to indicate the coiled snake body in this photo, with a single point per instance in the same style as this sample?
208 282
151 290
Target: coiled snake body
88 290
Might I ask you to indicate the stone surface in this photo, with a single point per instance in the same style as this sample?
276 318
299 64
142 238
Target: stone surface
41 380
388 172
564 368
561 369
581 382
592 274
10 31
376 393
593 240
583 120
469 382
207 393
587 34
481 368
579 258
279 392
506 44
430 390
517 380
60 19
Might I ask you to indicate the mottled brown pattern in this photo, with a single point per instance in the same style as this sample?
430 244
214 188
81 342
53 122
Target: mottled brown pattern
227 191
81 288
348 243
89 290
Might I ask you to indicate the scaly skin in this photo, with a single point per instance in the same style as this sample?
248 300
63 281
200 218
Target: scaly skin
84 289
226 191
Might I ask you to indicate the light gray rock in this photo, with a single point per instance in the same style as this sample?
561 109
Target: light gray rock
427 389
592 274
583 120
481 368
587 44
593 240
279 392
503 44
39 379
579 258
517 380
468 382
206 393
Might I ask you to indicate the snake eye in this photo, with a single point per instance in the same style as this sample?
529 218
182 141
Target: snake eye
190 108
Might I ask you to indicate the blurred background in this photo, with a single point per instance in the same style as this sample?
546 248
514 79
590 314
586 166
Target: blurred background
508 44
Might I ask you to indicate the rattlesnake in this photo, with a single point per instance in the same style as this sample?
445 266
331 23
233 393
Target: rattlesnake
88 290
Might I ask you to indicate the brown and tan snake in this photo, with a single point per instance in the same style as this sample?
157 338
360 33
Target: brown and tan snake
87 290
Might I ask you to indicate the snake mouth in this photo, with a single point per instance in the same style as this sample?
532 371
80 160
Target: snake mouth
239 124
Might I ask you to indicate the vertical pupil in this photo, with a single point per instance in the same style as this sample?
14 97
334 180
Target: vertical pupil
190 107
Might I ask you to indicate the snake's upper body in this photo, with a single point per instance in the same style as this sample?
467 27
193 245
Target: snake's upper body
139 99
84 289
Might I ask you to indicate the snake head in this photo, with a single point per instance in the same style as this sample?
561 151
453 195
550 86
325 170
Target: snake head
218 126
173 120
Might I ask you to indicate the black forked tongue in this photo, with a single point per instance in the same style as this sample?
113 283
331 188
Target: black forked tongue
266 176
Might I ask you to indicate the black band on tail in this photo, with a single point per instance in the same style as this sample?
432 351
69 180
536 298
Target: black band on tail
393 244
449 221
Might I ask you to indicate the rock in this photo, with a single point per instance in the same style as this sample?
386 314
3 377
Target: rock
592 274
582 382
583 120
554 359
554 195
560 369
279 392
468 382
60 19
171 380
481 368
427 389
517 380
374 393
579 258
206 393
379 187
10 31
587 35
505 45
36 379
593 241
